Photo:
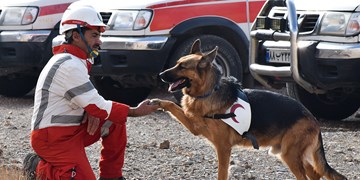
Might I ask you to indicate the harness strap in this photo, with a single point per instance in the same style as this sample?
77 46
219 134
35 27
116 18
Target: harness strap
246 135
252 138
92 53
220 116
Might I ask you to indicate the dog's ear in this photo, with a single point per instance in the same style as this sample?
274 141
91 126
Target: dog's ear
208 57
196 47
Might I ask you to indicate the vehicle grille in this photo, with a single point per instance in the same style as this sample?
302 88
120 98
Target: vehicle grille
105 16
309 22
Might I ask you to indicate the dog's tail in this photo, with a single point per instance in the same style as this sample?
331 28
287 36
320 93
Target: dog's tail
321 165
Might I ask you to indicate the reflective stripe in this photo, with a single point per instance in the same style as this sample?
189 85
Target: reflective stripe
107 124
105 128
45 90
78 90
66 119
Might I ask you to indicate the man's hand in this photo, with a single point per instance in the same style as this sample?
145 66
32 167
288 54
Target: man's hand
144 108
93 123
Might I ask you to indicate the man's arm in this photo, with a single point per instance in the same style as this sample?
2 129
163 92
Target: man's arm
144 108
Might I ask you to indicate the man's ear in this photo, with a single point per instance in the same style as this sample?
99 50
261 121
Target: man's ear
76 36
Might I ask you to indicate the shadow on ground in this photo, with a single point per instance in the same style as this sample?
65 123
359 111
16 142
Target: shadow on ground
349 124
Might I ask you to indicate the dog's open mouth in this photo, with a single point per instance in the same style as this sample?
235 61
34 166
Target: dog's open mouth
179 84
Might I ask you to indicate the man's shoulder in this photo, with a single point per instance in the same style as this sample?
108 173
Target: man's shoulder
69 62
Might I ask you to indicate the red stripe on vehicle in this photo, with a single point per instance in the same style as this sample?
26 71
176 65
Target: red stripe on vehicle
255 8
175 3
53 9
163 21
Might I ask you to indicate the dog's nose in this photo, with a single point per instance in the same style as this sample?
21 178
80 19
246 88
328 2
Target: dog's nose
166 76
162 75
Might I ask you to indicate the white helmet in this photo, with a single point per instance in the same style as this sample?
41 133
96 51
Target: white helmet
83 15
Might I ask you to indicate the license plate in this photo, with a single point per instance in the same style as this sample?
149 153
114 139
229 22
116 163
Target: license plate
278 55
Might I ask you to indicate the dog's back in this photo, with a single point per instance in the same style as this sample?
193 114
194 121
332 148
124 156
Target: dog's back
273 112
294 131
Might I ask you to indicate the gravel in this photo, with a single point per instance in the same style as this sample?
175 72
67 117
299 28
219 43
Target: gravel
161 148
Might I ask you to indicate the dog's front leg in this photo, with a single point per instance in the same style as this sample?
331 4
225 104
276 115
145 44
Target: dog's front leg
223 154
177 112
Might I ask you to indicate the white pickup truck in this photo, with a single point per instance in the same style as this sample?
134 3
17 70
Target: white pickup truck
313 48
27 28
144 37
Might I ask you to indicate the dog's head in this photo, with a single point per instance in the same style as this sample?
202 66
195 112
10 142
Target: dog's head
191 71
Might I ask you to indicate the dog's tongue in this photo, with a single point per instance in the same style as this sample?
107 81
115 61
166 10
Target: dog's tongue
174 85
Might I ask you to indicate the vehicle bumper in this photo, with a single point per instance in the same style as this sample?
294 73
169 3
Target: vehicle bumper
24 36
334 65
322 64
23 49
132 55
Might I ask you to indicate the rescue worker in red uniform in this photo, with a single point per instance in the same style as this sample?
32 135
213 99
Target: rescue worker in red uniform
69 114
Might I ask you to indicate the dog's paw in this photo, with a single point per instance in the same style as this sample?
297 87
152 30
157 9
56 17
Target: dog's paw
164 104
154 102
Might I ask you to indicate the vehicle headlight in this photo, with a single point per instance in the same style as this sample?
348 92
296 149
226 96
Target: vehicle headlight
130 20
340 24
19 15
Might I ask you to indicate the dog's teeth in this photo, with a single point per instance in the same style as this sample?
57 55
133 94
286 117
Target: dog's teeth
170 87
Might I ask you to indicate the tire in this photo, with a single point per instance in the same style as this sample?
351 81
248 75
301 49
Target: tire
112 90
334 105
16 86
227 59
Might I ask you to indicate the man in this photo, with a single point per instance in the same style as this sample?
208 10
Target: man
69 114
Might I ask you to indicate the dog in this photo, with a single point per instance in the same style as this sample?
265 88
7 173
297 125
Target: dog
277 121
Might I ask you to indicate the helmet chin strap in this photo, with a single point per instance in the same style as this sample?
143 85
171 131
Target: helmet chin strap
92 53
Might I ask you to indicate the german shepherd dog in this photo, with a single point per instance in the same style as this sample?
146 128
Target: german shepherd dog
277 121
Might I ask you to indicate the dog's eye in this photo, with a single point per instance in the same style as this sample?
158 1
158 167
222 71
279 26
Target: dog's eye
182 66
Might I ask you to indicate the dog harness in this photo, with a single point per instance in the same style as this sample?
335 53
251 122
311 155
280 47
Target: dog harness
238 116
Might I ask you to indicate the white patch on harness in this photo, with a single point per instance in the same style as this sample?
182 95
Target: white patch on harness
242 120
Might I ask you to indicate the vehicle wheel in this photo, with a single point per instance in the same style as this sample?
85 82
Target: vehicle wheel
334 105
227 59
14 86
112 90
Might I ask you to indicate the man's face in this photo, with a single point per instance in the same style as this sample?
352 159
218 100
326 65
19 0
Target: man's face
92 37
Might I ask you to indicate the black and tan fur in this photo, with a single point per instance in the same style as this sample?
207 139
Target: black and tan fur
278 121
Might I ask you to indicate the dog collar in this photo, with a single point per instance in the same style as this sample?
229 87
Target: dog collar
208 93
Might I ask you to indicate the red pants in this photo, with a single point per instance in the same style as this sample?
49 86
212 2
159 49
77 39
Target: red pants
63 148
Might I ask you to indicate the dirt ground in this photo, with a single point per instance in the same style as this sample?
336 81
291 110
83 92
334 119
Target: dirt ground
187 156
